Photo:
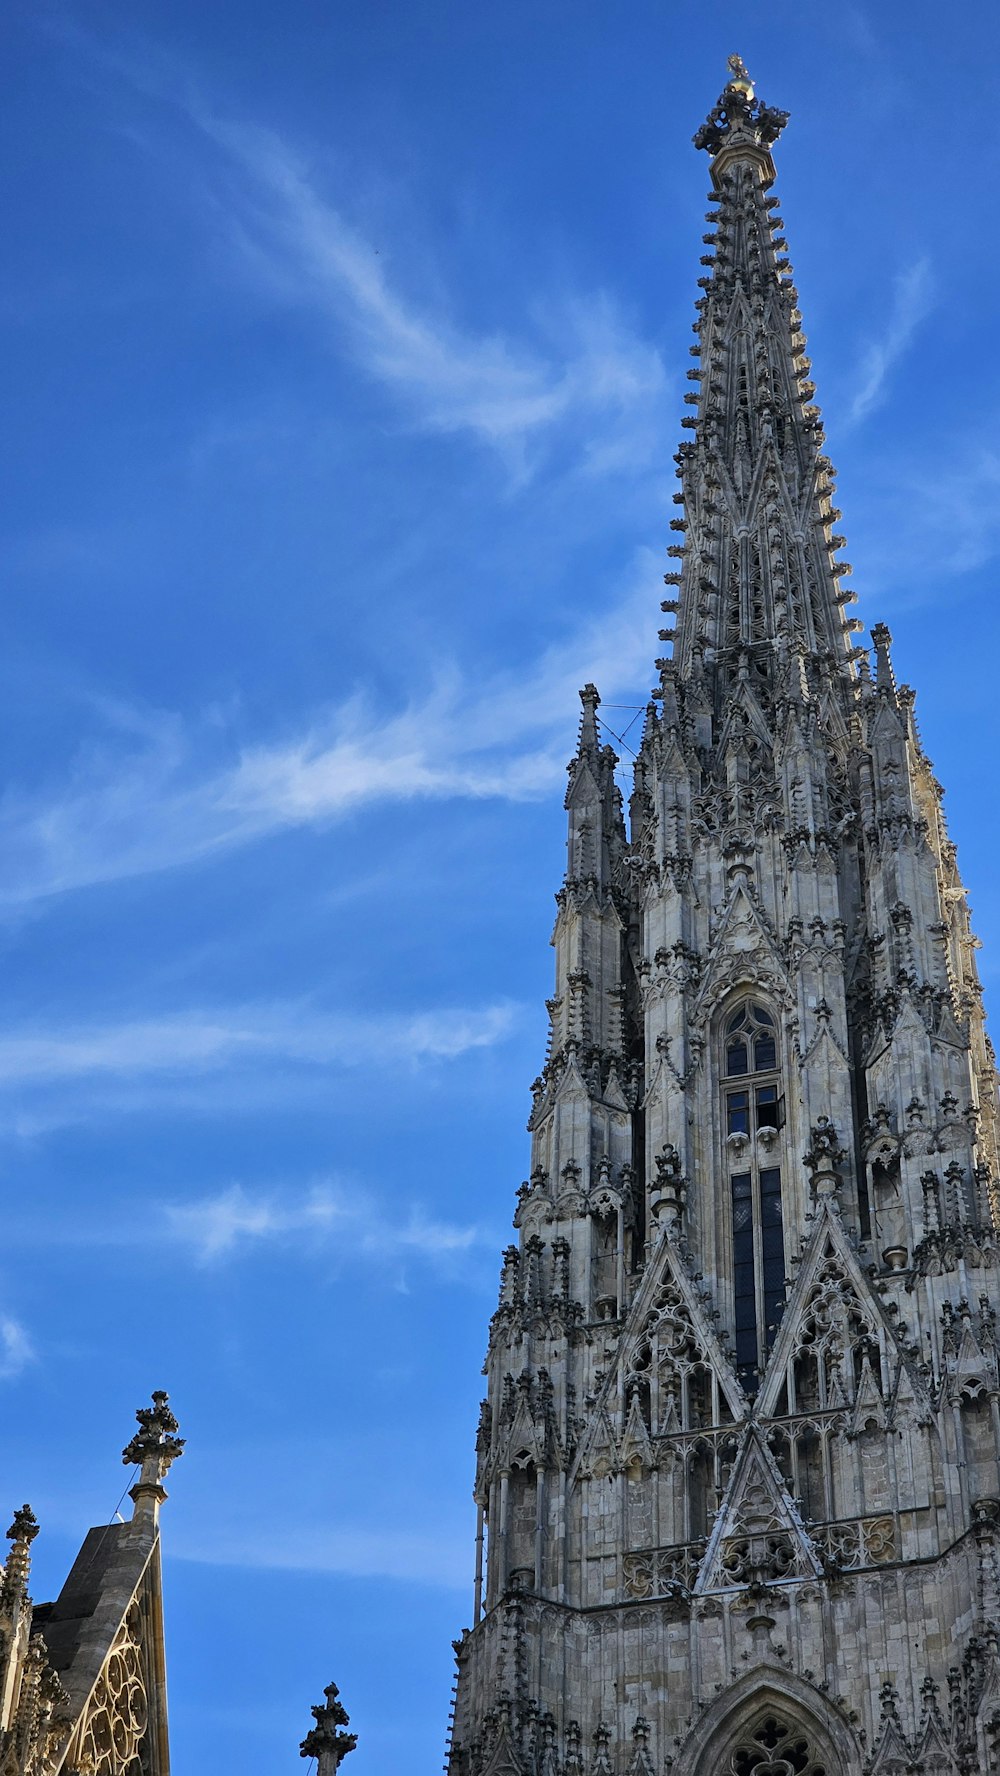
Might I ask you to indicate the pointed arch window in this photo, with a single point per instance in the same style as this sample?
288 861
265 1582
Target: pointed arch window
753 1114
776 1747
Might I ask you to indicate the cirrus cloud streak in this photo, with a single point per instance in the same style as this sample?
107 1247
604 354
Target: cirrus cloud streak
148 800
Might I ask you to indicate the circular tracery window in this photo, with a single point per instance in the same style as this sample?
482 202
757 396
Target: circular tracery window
775 1748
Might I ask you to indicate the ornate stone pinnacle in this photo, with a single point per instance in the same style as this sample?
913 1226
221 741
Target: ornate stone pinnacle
739 120
590 700
21 1534
156 1436
154 1447
325 1742
24 1527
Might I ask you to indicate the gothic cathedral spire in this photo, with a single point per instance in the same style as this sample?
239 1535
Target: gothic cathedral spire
759 574
738 1470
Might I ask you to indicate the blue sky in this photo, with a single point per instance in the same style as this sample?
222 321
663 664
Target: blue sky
345 355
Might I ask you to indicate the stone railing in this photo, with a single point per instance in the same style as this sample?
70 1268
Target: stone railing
845 1546
863 1541
661 1572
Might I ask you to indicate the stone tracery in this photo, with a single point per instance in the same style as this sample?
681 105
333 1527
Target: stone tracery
111 1734
775 1747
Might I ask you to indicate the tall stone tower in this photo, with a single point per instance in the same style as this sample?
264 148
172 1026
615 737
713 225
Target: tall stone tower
737 1474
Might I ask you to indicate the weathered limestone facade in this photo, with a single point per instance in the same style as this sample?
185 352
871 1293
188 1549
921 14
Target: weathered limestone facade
83 1680
738 1473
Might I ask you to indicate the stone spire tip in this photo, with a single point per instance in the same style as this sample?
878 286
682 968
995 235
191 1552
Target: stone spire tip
590 701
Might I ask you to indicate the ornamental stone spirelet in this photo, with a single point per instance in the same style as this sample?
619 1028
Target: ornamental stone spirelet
325 1741
21 1534
154 1448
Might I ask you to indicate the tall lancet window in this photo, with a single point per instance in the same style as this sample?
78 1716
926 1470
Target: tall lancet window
753 1109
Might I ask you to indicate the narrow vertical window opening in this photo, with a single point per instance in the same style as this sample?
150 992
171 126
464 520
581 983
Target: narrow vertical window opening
753 1117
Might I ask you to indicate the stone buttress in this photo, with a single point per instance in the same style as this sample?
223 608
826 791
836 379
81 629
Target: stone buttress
738 1483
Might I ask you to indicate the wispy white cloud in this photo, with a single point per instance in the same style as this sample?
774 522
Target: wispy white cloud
911 303
583 366
200 1042
959 506
16 1348
145 802
331 1221
569 365
959 530
236 1221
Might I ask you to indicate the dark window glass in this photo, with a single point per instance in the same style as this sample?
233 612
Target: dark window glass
738 1113
751 1025
769 1255
772 1250
758 1245
767 1106
743 1276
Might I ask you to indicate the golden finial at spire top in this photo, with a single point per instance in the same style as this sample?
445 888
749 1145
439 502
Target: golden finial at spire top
739 118
740 79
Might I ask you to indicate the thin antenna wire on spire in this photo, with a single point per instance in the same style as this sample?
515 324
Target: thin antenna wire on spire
621 737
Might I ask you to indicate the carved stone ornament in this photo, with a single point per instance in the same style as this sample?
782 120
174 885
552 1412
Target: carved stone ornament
326 1741
739 114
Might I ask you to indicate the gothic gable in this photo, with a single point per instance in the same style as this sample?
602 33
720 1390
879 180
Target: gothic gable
835 1338
744 716
743 951
503 1759
758 1535
121 1723
669 1371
